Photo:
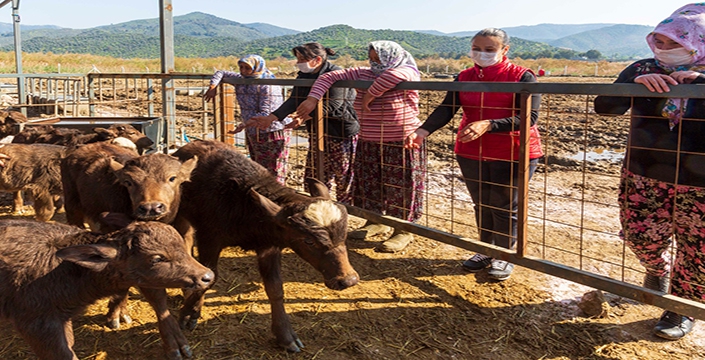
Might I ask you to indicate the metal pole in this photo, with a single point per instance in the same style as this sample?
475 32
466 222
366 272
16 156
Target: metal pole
523 185
166 30
18 54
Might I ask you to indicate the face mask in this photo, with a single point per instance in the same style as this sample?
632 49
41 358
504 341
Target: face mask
304 67
485 59
674 57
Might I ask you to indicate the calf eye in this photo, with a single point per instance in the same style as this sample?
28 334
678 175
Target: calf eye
127 183
172 179
157 259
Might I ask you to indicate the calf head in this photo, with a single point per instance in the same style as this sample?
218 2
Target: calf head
145 254
316 230
128 131
154 184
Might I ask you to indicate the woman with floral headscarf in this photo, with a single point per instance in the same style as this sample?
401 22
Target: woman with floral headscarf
268 147
662 188
389 179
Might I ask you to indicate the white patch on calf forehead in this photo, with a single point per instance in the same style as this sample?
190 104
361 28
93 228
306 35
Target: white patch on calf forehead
323 212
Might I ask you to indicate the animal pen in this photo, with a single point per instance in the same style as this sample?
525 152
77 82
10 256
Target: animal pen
571 233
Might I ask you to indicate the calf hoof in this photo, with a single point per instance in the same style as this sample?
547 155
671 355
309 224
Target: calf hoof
294 346
115 323
188 323
183 352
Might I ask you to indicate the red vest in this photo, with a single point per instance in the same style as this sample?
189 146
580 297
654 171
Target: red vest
487 106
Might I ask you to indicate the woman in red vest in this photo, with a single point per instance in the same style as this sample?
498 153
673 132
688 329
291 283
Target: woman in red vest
487 146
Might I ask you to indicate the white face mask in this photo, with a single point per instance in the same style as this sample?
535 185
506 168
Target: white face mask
485 59
674 57
304 67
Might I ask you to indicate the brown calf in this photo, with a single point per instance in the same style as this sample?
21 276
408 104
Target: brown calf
103 177
233 201
35 169
52 272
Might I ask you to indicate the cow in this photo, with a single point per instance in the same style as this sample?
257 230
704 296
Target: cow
233 201
47 134
51 272
103 177
35 169
9 120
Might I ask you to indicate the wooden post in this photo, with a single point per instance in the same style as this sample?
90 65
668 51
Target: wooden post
227 114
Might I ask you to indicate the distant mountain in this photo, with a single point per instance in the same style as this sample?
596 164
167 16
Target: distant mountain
8 27
540 32
271 30
618 41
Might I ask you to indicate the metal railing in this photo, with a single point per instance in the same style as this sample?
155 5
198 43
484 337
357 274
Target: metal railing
447 217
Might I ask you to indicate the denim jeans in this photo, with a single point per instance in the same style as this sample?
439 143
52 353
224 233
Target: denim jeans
493 186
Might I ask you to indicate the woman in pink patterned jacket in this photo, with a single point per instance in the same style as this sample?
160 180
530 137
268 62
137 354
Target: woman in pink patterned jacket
389 179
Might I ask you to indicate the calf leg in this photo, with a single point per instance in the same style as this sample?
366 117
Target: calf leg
117 311
173 340
17 203
193 300
43 205
50 339
269 262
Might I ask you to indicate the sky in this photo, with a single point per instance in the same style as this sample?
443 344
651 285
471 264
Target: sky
304 15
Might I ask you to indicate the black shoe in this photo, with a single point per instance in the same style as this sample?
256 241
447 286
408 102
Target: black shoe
657 283
672 326
477 262
500 270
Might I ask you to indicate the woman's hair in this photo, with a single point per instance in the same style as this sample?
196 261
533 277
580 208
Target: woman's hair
493 32
310 50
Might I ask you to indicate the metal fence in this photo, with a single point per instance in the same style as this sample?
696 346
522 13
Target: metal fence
568 213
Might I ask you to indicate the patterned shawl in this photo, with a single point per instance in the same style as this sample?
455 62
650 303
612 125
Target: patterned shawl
685 26
391 55
259 70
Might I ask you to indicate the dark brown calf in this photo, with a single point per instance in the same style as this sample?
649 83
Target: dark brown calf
51 272
35 169
47 134
233 201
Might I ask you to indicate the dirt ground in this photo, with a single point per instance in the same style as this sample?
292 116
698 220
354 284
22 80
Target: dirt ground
420 303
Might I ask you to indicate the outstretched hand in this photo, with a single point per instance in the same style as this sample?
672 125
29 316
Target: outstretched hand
261 122
306 107
415 139
210 93
656 82
685 77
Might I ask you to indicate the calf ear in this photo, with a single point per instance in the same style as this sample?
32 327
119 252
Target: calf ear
188 166
268 206
317 188
94 257
115 166
115 220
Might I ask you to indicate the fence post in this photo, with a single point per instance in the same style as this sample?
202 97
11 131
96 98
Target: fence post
225 122
523 185
319 141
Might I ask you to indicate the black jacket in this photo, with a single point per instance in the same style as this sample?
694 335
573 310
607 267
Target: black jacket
340 117
653 149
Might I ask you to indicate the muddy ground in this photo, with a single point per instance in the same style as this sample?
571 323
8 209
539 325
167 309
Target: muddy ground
420 303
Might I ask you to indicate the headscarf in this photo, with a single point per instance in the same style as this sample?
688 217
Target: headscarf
391 55
686 26
259 70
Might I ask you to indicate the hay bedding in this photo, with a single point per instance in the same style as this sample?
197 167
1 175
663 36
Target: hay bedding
417 304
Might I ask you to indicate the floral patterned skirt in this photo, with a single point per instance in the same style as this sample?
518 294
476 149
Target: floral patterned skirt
664 225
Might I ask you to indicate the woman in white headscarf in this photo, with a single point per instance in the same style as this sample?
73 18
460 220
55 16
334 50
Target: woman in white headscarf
388 179
662 189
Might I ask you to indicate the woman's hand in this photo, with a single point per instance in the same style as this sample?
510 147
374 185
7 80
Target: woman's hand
238 128
261 122
366 100
415 139
473 130
306 107
656 82
296 121
210 93
685 77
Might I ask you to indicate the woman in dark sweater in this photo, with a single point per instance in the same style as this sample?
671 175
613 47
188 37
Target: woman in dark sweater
340 120
662 195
